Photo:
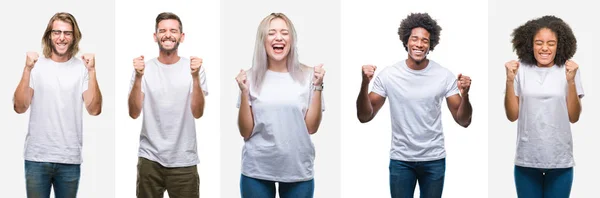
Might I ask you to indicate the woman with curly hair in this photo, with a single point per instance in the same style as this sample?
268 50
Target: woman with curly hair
416 88
543 91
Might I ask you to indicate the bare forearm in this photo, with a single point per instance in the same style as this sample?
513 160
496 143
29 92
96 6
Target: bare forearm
364 109
465 111
197 98
245 119
136 98
22 96
94 105
573 103
511 102
314 113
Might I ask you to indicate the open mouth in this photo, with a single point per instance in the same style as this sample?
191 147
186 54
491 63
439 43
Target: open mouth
545 55
418 52
168 42
278 48
61 46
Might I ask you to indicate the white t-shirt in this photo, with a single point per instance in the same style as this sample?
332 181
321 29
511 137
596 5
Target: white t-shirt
279 148
168 129
544 131
415 98
55 131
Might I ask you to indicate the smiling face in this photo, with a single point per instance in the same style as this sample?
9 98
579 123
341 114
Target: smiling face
278 40
544 47
418 44
61 37
168 35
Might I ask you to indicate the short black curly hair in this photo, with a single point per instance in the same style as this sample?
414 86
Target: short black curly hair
523 39
423 20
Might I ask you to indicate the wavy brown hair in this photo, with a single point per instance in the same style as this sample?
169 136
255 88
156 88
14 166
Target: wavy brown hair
47 38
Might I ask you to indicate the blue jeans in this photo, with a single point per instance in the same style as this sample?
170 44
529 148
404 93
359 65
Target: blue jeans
404 176
543 183
40 176
258 188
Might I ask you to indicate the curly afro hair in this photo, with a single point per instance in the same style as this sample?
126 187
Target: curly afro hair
423 20
523 39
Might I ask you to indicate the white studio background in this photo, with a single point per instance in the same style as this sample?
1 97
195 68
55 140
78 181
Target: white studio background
369 36
317 26
504 17
134 28
25 26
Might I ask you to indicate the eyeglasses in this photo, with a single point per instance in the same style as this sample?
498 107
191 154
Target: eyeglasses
59 32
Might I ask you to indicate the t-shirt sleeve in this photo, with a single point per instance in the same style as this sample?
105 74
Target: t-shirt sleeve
85 81
517 83
32 78
451 85
578 85
202 74
379 86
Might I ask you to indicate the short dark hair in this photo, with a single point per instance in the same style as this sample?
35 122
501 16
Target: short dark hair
423 20
523 39
167 16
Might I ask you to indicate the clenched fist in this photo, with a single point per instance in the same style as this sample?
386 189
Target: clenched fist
368 71
571 69
464 84
511 70
318 75
195 64
32 58
242 81
89 60
139 65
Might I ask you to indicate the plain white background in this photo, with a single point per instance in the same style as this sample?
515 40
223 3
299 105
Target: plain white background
134 29
23 32
504 17
369 36
317 26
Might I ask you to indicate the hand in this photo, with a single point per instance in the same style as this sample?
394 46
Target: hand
464 84
242 81
195 64
318 75
571 69
511 70
90 61
139 65
368 71
32 58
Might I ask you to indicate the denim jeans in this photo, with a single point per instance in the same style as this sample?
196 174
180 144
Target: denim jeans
41 176
258 188
405 175
543 183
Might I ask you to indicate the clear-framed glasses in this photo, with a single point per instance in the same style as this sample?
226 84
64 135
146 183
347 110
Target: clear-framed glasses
59 32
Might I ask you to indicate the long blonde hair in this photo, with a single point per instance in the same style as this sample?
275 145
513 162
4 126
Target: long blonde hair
47 38
260 60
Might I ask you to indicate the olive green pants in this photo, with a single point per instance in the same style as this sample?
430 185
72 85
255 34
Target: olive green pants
153 179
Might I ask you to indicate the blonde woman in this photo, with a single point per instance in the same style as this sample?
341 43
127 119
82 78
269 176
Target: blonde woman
280 106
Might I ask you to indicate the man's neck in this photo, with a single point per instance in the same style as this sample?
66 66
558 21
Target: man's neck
414 65
168 58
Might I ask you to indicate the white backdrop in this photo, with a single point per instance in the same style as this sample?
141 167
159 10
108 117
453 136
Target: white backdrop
369 36
505 17
25 26
134 28
317 25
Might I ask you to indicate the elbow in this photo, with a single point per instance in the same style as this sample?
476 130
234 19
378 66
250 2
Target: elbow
198 114
312 131
95 112
512 118
133 115
19 110
363 119
246 134
573 120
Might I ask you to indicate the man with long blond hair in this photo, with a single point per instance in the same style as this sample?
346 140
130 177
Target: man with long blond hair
56 86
